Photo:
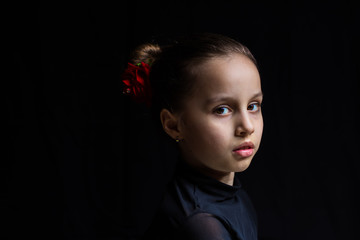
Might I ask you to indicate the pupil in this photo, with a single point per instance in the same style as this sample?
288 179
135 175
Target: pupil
221 110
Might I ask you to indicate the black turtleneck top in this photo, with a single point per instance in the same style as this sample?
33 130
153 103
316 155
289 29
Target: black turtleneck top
198 207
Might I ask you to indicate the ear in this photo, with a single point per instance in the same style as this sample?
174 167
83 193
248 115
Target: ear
170 123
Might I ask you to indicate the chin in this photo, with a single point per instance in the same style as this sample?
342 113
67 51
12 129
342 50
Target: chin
241 169
242 166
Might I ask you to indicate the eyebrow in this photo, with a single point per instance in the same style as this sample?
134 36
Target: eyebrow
225 98
259 94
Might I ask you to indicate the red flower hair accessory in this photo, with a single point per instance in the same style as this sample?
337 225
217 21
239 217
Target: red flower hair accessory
137 84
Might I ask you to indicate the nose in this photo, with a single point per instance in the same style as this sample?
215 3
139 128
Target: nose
244 125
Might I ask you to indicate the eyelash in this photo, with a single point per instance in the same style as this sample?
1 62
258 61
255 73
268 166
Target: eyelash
216 110
257 104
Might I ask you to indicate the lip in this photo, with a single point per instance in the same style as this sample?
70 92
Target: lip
245 149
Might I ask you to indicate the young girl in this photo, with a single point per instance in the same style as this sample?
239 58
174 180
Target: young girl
206 92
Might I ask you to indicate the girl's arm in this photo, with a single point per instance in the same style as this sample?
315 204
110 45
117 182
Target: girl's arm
204 226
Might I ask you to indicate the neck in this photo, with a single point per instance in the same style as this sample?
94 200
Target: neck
228 179
224 177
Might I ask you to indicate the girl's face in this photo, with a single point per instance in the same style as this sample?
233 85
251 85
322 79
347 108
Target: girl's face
221 123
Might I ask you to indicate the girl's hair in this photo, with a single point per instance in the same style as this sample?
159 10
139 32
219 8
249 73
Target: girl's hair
173 67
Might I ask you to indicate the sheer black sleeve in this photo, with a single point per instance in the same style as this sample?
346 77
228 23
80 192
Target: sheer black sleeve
204 226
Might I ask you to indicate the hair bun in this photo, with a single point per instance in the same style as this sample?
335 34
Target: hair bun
146 53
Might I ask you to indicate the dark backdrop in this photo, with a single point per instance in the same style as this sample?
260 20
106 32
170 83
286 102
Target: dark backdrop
84 163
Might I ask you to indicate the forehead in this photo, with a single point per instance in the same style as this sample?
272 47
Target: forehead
232 75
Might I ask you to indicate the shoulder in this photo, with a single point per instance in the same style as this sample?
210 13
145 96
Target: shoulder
201 226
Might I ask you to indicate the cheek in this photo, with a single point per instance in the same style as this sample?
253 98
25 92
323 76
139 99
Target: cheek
206 134
259 128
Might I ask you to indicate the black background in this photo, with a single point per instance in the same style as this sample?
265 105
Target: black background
84 163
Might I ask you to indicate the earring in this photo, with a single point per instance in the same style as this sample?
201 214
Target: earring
177 139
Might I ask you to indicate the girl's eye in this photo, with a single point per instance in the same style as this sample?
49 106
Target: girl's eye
254 107
222 110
